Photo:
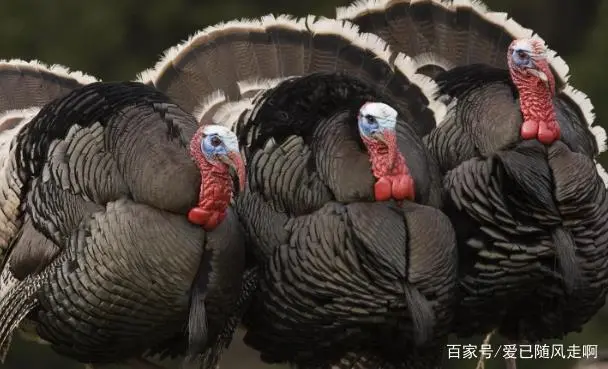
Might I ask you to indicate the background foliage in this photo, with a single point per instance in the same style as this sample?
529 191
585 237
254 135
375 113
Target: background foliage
116 39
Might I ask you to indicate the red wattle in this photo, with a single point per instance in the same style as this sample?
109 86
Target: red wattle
548 132
529 130
382 189
389 167
206 219
536 101
403 187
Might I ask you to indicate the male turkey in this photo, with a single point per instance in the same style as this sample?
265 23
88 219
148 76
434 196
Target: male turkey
518 150
106 261
357 266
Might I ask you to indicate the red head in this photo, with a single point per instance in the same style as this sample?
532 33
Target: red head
215 150
531 74
377 122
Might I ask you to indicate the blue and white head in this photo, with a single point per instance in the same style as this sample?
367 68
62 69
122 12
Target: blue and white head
377 127
217 141
376 120
215 145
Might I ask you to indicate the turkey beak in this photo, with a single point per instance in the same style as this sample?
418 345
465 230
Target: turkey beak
236 169
379 136
540 75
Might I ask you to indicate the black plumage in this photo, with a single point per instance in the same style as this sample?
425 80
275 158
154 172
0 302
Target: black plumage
329 242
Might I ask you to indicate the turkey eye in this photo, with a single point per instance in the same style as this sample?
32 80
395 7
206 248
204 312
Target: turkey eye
215 141
371 119
522 54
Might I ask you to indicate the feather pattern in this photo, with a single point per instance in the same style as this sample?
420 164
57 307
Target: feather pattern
516 211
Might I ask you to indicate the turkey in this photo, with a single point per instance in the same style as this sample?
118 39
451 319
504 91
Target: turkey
518 150
356 264
124 244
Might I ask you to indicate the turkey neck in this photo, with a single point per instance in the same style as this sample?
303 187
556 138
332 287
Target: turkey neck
535 98
386 160
216 189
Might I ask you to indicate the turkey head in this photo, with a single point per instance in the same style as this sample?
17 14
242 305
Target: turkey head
215 149
377 122
534 80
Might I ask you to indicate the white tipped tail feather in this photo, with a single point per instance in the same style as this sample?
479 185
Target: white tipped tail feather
209 70
172 55
56 69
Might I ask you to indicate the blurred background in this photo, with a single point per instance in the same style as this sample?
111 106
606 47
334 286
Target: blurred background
116 39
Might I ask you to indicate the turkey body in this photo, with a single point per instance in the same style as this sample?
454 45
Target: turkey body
344 280
527 214
530 218
335 263
106 260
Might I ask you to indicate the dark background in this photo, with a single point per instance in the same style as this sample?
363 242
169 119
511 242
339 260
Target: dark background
116 39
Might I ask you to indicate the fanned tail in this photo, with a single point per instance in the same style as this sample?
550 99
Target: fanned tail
26 84
443 34
218 72
446 33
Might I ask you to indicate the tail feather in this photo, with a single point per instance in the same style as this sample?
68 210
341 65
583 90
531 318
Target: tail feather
25 84
236 60
442 34
289 49
463 31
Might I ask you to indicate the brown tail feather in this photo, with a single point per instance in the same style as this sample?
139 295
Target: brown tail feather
231 61
464 32
25 84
